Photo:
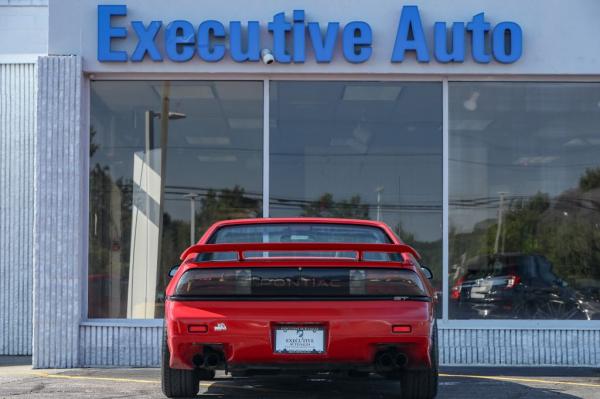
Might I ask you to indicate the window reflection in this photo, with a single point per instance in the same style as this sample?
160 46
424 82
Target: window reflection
367 150
211 170
524 200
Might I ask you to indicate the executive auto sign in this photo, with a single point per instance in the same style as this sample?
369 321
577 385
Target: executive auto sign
212 40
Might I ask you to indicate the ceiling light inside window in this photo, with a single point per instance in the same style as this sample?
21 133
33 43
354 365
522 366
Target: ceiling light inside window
200 140
187 92
471 103
217 158
371 93
245 123
470 124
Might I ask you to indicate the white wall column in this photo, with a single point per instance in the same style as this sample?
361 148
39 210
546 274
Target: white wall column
59 242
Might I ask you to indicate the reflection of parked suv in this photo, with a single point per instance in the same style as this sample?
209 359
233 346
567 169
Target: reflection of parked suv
513 286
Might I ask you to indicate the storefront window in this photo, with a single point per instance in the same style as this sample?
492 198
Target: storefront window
524 180
366 150
212 168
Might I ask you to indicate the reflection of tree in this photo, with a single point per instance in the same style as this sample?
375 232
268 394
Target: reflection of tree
100 210
214 206
590 179
226 204
325 206
430 251
107 234
565 229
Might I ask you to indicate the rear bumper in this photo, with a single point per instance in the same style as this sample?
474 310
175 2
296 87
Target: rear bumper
354 333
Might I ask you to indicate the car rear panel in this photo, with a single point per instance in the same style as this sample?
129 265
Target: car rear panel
354 330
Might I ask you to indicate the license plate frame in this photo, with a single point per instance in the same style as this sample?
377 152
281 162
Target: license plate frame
293 340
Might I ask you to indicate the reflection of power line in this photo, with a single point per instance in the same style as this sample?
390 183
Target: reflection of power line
290 154
494 202
527 166
174 193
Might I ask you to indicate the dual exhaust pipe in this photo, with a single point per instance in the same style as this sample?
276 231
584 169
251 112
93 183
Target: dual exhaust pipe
390 360
385 361
210 359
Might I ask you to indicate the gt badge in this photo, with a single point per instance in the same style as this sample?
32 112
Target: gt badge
221 327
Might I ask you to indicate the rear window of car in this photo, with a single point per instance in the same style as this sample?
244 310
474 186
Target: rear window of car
299 282
299 233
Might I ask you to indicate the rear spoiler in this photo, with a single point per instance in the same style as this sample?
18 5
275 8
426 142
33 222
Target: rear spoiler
360 249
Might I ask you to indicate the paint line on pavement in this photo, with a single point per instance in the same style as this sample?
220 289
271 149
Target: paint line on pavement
228 386
135 380
85 377
519 379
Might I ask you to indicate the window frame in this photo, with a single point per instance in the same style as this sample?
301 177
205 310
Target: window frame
444 80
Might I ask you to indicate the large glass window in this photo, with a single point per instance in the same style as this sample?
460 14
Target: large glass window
524 166
367 150
189 151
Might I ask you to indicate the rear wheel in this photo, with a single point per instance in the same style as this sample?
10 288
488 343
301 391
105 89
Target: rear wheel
422 384
176 383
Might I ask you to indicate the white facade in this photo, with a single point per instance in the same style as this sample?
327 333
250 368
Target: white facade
557 46
18 89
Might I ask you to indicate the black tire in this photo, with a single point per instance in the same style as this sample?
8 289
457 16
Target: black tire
176 383
422 384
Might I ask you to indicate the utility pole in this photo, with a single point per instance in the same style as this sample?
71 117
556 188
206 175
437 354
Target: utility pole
500 217
192 197
379 190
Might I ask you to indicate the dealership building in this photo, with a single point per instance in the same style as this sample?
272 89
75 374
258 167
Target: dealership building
472 128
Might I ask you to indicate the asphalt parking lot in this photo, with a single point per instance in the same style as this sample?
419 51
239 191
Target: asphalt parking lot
19 380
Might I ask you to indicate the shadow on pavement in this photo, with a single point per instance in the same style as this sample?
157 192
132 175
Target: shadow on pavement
326 387
15 361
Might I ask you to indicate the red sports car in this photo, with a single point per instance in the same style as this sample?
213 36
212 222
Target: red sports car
300 295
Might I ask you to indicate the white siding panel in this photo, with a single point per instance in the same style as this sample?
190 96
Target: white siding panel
17 133
520 347
120 346
139 346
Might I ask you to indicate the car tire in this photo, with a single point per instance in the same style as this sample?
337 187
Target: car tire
422 384
176 383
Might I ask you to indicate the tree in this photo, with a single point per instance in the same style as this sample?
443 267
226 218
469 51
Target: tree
325 206
590 179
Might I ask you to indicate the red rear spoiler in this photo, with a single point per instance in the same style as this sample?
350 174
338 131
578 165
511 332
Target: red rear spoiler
240 248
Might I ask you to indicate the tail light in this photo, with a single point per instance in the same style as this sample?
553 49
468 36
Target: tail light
300 282
512 281
198 328
385 282
456 288
401 329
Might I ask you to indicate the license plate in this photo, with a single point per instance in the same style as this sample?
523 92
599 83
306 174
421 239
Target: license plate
299 340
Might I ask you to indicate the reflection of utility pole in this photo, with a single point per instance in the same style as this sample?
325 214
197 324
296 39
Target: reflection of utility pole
500 217
164 134
379 190
143 290
192 197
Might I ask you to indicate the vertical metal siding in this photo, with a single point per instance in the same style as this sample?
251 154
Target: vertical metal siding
17 132
58 217
120 346
520 347
139 346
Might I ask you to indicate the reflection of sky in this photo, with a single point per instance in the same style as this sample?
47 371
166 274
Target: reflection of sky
518 139
326 137
352 139
217 145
